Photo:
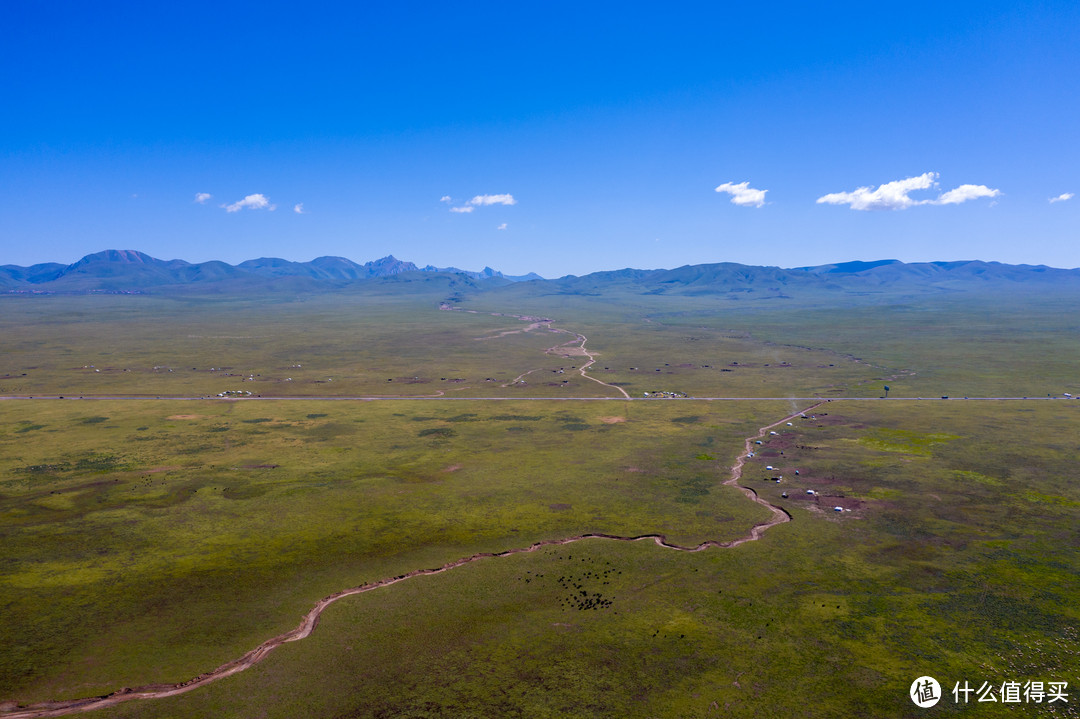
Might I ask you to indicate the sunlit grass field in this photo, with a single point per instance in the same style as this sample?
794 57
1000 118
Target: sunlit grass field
343 345
147 541
956 558
158 539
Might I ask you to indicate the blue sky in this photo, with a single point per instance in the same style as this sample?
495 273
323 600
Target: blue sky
557 138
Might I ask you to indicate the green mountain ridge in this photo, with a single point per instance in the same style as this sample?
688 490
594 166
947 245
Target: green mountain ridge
133 271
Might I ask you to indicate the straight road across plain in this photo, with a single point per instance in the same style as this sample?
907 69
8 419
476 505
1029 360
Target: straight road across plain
381 398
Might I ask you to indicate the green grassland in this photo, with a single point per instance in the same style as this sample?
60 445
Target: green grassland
321 345
356 345
148 541
981 345
958 558
1004 342
142 545
351 344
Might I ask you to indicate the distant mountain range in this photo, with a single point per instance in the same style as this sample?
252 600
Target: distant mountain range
132 271
728 278
123 271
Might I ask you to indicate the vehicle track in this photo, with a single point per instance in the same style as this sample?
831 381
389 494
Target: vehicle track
567 349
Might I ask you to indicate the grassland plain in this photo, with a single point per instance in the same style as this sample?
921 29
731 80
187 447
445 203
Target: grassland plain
356 345
319 345
1009 342
150 541
146 543
955 557
1012 345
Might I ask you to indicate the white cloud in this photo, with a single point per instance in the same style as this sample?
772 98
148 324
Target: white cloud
252 202
965 193
298 208
890 196
202 197
501 227
743 195
895 195
1062 197
481 200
